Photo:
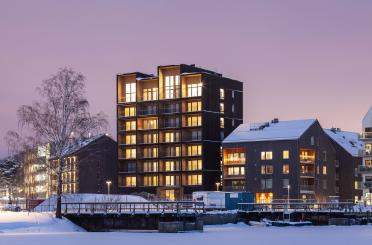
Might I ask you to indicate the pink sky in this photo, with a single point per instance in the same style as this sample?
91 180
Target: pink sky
297 59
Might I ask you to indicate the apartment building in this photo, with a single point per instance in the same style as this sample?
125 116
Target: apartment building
35 172
347 147
90 167
280 158
170 128
366 168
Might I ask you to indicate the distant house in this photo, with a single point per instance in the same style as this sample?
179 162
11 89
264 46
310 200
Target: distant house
366 168
270 158
348 161
89 164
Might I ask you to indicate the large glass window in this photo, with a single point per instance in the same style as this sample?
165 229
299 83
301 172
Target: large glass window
150 138
150 180
171 87
130 92
267 169
194 89
150 167
194 106
222 93
170 180
130 153
150 94
286 154
194 150
285 168
193 121
130 139
171 166
150 124
194 165
130 181
233 171
266 155
194 179
130 125
130 111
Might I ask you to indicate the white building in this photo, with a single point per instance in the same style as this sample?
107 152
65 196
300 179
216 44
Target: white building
366 169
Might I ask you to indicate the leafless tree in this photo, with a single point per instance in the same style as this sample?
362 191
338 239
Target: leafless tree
61 114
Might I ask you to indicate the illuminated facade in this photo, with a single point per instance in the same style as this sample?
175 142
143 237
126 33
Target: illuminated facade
268 158
170 129
366 168
36 181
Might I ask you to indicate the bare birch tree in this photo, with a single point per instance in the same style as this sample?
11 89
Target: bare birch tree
62 113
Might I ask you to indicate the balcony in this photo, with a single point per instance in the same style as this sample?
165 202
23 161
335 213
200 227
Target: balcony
367 135
129 99
367 184
307 188
365 169
307 174
147 112
307 160
234 188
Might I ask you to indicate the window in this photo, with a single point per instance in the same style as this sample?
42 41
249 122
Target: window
222 107
171 87
196 135
171 136
285 183
130 125
150 124
324 184
150 166
130 181
150 138
150 94
266 155
131 167
172 151
324 170
194 150
222 93
171 122
312 140
130 139
266 184
194 165
129 111
356 185
267 169
170 195
194 89
193 121
169 180
222 122
150 152
130 153
233 123
234 156
285 168
233 94
235 171
286 154
170 166
130 92
324 156
194 179
194 106
233 108
150 181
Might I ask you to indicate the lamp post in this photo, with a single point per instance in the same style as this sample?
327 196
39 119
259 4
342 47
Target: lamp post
108 186
218 185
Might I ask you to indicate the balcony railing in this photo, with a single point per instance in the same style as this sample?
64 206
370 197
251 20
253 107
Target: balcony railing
169 110
126 99
367 184
367 135
147 112
234 188
365 169
307 174
308 160
307 187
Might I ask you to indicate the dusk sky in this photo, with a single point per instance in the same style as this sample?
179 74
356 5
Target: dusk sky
297 59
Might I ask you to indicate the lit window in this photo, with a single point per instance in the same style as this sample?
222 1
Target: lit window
222 122
194 179
222 93
266 155
172 84
194 165
150 152
150 166
150 181
286 154
194 89
170 166
129 111
285 168
193 121
130 181
194 150
171 136
130 139
194 106
130 125
150 94
130 153
130 92
170 180
150 124
324 170
234 171
267 169
222 107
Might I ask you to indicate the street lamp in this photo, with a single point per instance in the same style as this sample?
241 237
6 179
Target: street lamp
218 185
108 186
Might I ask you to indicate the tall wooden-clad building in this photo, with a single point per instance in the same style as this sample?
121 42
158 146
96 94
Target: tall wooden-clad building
170 128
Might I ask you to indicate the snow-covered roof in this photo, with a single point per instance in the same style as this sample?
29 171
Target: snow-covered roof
367 120
270 131
347 140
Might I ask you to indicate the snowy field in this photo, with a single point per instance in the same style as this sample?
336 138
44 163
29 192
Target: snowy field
40 229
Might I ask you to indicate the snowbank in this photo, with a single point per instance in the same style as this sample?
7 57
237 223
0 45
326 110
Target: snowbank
24 222
50 203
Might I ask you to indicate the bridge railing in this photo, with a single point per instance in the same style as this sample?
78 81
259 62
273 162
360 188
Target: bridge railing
296 206
132 207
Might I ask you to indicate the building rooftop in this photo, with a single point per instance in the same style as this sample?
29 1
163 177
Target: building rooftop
348 140
269 131
367 120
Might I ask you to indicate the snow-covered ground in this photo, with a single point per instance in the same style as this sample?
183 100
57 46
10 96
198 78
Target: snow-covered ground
40 229
24 222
